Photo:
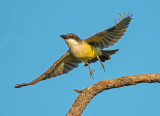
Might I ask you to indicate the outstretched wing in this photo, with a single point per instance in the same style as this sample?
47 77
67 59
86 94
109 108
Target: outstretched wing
110 36
66 63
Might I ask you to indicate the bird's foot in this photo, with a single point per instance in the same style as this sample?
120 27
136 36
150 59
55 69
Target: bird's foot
102 66
91 72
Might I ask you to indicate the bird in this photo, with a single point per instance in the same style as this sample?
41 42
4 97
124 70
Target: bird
86 50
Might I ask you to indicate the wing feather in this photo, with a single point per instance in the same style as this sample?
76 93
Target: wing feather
66 63
109 37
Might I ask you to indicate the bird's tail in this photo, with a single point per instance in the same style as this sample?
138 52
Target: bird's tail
106 54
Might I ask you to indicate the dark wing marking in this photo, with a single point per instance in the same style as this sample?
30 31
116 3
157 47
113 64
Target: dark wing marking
66 63
109 37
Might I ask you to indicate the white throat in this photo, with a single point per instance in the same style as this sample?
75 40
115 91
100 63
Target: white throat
72 43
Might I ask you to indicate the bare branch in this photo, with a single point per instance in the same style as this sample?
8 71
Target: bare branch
78 91
88 93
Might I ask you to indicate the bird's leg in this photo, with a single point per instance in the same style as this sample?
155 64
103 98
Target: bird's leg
102 65
91 71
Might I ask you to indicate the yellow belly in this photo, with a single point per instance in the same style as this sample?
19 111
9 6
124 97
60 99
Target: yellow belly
85 52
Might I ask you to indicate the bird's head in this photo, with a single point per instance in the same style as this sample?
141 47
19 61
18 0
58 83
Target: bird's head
70 36
71 39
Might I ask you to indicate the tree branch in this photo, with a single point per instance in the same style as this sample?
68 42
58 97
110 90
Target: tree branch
88 93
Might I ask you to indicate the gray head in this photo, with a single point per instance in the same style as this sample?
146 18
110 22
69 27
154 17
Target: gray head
71 36
72 40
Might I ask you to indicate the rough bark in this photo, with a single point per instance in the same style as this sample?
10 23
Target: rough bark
88 93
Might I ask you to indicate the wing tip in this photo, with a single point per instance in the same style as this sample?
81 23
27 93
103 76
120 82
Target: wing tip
129 15
20 85
116 49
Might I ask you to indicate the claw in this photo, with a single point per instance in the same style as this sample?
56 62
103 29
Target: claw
102 66
91 72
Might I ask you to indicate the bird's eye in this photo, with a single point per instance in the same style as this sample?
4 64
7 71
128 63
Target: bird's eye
72 36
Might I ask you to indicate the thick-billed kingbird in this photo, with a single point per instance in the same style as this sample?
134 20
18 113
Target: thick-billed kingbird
85 50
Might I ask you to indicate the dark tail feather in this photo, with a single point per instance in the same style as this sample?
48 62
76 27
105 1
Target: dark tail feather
107 54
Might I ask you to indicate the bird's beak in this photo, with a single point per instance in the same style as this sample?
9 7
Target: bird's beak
63 36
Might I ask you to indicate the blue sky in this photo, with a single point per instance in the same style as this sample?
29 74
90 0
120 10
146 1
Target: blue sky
30 43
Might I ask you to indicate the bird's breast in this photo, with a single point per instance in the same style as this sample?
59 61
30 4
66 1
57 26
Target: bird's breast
84 51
